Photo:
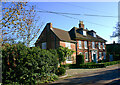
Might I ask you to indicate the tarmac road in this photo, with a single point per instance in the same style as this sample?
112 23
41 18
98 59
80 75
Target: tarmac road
101 76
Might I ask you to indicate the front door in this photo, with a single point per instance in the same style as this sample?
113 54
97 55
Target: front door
94 56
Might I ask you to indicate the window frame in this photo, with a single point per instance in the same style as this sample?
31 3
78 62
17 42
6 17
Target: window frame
103 45
93 46
84 33
85 45
86 58
94 34
104 54
80 44
68 44
44 45
100 55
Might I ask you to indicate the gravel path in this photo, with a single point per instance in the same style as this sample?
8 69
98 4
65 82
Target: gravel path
101 76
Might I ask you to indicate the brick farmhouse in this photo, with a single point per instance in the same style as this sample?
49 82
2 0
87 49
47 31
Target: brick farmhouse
81 40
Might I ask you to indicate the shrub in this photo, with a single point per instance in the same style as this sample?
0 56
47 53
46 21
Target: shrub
26 66
112 63
116 57
93 65
80 59
66 65
61 71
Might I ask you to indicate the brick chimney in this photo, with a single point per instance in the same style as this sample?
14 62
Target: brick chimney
49 24
81 25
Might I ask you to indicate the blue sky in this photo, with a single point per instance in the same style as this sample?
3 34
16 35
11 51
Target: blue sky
104 26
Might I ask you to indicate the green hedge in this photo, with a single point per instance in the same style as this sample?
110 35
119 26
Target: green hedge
80 59
93 65
27 66
87 65
112 63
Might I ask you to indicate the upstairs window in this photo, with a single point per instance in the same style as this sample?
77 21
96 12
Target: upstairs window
85 44
93 45
80 44
99 44
94 35
103 46
68 45
44 45
100 55
84 33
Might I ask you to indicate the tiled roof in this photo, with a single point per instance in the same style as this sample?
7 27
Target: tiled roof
62 34
65 36
88 37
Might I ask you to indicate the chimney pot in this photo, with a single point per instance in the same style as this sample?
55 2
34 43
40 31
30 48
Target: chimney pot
81 25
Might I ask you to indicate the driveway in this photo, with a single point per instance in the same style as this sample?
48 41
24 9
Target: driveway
100 76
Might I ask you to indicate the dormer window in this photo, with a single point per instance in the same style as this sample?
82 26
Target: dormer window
94 35
84 33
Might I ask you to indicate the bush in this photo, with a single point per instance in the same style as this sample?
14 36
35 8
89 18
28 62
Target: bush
80 59
60 71
112 63
116 57
66 65
26 66
93 65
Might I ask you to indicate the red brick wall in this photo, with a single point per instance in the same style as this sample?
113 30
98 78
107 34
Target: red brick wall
73 47
83 50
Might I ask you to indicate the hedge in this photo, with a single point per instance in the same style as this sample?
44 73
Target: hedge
87 65
80 59
93 65
23 65
112 63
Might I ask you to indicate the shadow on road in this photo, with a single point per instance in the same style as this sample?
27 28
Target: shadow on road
98 78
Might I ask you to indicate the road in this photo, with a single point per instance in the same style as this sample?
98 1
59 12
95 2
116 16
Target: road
100 76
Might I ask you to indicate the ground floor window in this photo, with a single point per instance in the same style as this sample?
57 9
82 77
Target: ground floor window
100 55
104 54
69 58
86 56
44 45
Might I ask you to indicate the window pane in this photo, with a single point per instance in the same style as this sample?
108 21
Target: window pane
104 54
85 43
80 44
68 45
84 33
44 45
93 45
86 56
100 55
103 46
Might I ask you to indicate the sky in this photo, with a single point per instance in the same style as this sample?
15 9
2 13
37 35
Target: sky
104 26
97 21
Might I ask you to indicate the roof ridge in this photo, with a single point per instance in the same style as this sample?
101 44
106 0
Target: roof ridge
59 29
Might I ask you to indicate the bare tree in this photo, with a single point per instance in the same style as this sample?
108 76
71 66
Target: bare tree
116 33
